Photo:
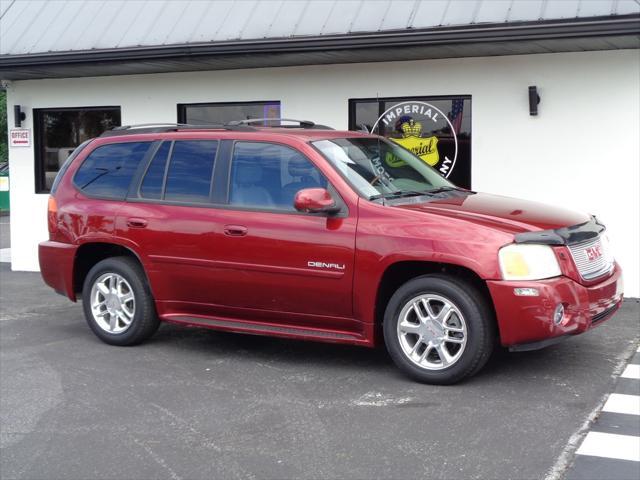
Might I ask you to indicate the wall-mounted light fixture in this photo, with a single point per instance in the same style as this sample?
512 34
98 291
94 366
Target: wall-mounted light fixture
18 115
534 100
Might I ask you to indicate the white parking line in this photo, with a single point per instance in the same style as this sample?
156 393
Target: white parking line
5 255
619 403
632 371
610 445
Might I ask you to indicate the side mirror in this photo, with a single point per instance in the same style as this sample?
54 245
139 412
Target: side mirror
315 200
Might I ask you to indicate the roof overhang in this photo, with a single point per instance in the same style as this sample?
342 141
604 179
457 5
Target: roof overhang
597 33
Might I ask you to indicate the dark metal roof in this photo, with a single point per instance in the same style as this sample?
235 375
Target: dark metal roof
593 33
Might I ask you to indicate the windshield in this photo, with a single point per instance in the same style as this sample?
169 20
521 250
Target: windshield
378 168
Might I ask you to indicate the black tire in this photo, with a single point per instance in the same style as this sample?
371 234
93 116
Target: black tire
144 321
477 314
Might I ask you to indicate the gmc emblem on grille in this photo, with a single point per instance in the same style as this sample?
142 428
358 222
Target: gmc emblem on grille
593 253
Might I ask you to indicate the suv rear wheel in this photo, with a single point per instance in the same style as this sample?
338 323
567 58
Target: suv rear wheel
438 329
117 303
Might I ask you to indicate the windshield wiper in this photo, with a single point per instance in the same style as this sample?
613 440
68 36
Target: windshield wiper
445 188
397 194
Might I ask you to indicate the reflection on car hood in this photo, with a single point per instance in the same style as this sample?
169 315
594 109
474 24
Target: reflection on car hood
508 214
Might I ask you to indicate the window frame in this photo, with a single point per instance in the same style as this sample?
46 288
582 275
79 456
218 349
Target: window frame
167 170
135 194
220 184
182 107
38 132
406 98
344 209
352 102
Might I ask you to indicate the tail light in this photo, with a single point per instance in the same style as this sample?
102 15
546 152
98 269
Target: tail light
52 215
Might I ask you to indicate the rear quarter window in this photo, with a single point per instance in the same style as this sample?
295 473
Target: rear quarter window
108 170
66 164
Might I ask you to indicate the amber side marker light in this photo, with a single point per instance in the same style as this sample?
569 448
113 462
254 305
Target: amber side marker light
52 214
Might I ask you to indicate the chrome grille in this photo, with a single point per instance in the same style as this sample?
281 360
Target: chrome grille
590 269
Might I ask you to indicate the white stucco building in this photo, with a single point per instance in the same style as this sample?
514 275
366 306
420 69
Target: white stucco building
77 66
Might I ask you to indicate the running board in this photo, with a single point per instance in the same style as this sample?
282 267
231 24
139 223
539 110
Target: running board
267 329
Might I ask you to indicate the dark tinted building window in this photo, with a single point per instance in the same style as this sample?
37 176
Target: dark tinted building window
190 171
265 175
154 178
108 170
437 129
58 131
221 113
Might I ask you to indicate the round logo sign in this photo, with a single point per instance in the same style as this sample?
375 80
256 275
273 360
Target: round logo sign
419 127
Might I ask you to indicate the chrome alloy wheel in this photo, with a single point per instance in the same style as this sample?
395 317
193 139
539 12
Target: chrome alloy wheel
432 332
113 303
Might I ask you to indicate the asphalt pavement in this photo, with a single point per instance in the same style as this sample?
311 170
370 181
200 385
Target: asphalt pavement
199 404
5 241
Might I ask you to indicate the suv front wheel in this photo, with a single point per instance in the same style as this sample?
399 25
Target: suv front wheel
117 303
438 329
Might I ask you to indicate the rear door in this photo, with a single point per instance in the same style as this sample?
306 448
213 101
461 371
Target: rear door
171 220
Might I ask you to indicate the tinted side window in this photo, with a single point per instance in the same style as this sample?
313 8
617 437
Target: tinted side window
151 186
190 171
66 164
267 175
108 170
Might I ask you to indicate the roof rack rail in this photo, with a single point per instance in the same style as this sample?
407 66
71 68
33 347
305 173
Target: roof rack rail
300 123
145 125
237 125
170 127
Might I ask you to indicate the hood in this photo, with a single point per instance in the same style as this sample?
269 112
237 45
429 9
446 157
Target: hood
508 214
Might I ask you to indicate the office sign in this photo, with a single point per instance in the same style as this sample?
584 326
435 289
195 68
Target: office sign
19 137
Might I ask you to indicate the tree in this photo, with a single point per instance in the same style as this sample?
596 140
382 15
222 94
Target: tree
4 139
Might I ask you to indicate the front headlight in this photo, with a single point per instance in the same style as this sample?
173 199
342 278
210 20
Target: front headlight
528 262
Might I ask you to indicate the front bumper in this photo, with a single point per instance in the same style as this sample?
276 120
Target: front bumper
528 321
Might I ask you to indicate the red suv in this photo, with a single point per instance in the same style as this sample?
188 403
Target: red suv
316 234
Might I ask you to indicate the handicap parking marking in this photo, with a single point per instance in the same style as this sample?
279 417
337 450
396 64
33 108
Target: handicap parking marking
622 403
611 449
632 371
611 445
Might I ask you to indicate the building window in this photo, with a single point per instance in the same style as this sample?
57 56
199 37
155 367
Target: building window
58 131
221 113
437 129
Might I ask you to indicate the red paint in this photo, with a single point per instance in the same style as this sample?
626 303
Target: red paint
314 276
314 200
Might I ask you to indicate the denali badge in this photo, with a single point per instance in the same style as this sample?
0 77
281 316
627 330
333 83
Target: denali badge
335 266
593 253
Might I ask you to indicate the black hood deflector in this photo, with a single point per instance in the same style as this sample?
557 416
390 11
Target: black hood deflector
563 236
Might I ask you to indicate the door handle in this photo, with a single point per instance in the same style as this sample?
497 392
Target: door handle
136 222
235 230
